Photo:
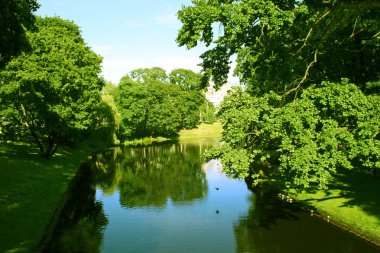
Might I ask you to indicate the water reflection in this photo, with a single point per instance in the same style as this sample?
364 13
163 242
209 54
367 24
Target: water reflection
82 223
277 226
149 176
162 198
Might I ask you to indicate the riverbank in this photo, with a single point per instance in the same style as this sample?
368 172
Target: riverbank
204 130
31 190
352 202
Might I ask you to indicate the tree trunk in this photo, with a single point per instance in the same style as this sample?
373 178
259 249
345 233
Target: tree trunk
29 126
52 146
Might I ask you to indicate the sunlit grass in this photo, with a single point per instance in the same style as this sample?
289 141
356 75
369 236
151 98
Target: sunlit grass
204 130
352 201
31 189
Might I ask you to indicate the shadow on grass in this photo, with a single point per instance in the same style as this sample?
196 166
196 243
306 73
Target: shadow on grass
31 188
360 189
352 189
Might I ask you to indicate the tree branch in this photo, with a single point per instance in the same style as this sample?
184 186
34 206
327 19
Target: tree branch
304 78
311 30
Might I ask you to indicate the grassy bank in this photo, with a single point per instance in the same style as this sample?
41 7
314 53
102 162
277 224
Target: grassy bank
204 130
31 189
352 202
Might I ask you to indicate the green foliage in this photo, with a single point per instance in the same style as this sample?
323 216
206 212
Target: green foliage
284 45
296 123
151 106
107 118
304 142
207 112
187 79
146 75
51 91
15 17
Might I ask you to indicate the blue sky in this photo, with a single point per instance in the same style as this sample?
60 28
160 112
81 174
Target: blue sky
129 34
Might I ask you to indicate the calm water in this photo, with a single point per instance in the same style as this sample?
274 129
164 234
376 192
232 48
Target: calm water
164 199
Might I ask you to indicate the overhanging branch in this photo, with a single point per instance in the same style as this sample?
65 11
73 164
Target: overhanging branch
304 78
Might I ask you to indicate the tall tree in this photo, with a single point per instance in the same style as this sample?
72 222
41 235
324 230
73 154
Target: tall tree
51 90
299 120
15 17
151 106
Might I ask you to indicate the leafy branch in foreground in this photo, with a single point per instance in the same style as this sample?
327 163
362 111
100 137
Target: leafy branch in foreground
284 45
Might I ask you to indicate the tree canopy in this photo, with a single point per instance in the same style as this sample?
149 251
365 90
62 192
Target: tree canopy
15 17
50 92
310 69
152 106
285 45
186 78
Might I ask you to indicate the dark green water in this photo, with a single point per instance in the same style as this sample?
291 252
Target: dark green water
164 199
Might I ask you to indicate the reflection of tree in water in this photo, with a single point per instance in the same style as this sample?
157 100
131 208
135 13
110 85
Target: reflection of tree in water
149 176
82 222
267 227
276 226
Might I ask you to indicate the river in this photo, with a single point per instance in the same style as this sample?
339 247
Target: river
164 198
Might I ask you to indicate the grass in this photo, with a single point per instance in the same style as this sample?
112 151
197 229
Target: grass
352 202
204 130
31 189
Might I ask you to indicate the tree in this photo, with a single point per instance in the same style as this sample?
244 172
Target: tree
151 106
207 112
299 119
187 79
146 75
300 144
107 117
52 90
15 17
285 45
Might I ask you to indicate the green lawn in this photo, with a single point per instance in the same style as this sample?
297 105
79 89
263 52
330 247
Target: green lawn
31 190
204 130
352 201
